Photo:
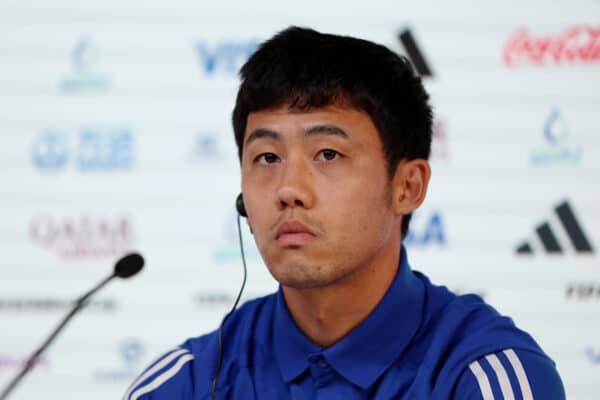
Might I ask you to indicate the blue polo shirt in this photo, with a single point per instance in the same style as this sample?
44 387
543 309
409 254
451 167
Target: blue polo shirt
420 342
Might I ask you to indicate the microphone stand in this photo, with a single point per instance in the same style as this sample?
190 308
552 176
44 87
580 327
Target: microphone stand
32 360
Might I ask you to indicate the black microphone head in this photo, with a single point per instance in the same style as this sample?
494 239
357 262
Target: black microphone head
129 265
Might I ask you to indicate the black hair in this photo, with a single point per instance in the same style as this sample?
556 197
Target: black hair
308 69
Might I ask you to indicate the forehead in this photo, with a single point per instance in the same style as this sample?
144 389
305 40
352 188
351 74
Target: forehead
285 121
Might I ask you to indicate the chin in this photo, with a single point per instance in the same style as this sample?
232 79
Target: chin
301 276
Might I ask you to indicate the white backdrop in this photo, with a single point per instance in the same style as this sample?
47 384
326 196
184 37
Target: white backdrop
115 134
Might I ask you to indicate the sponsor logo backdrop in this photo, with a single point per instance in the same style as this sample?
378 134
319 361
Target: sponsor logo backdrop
115 135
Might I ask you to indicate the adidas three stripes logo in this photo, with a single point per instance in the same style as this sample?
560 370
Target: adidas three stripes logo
559 233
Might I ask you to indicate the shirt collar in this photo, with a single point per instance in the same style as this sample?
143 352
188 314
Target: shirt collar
370 348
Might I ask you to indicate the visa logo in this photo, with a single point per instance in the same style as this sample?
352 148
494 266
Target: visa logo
426 229
224 57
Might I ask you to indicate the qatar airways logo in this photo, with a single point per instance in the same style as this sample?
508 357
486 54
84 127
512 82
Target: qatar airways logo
82 237
577 44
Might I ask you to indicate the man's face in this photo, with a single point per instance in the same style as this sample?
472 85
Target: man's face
317 193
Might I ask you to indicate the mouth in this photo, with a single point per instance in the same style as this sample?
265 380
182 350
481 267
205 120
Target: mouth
292 233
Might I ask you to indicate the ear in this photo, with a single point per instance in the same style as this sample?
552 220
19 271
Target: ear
409 185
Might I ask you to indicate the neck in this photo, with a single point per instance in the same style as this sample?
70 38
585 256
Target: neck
327 314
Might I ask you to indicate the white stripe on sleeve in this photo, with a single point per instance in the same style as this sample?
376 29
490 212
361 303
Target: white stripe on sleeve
520 372
482 380
162 378
505 387
166 360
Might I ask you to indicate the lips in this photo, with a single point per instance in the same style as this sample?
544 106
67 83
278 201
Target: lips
293 233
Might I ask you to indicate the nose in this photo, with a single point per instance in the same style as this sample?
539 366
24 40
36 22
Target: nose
295 189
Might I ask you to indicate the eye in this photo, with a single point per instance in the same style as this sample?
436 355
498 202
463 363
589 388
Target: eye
267 158
327 155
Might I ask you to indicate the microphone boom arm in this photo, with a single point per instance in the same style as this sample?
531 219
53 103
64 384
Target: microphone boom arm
32 360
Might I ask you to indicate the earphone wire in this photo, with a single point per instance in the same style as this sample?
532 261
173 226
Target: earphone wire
235 304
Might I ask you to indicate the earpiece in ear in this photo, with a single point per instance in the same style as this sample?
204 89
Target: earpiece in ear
239 206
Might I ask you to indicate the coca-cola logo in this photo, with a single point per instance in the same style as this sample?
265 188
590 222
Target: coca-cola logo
579 43
82 236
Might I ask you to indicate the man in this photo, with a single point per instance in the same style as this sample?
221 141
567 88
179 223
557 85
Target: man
333 136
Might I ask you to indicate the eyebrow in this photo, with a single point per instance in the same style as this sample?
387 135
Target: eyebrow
261 133
326 130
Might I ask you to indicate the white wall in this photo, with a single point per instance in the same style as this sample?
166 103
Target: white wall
115 134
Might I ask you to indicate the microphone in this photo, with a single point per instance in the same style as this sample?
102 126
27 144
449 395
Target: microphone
126 267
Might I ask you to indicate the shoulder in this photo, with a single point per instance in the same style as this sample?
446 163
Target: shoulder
470 327
474 352
167 377
187 370
452 312
510 374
